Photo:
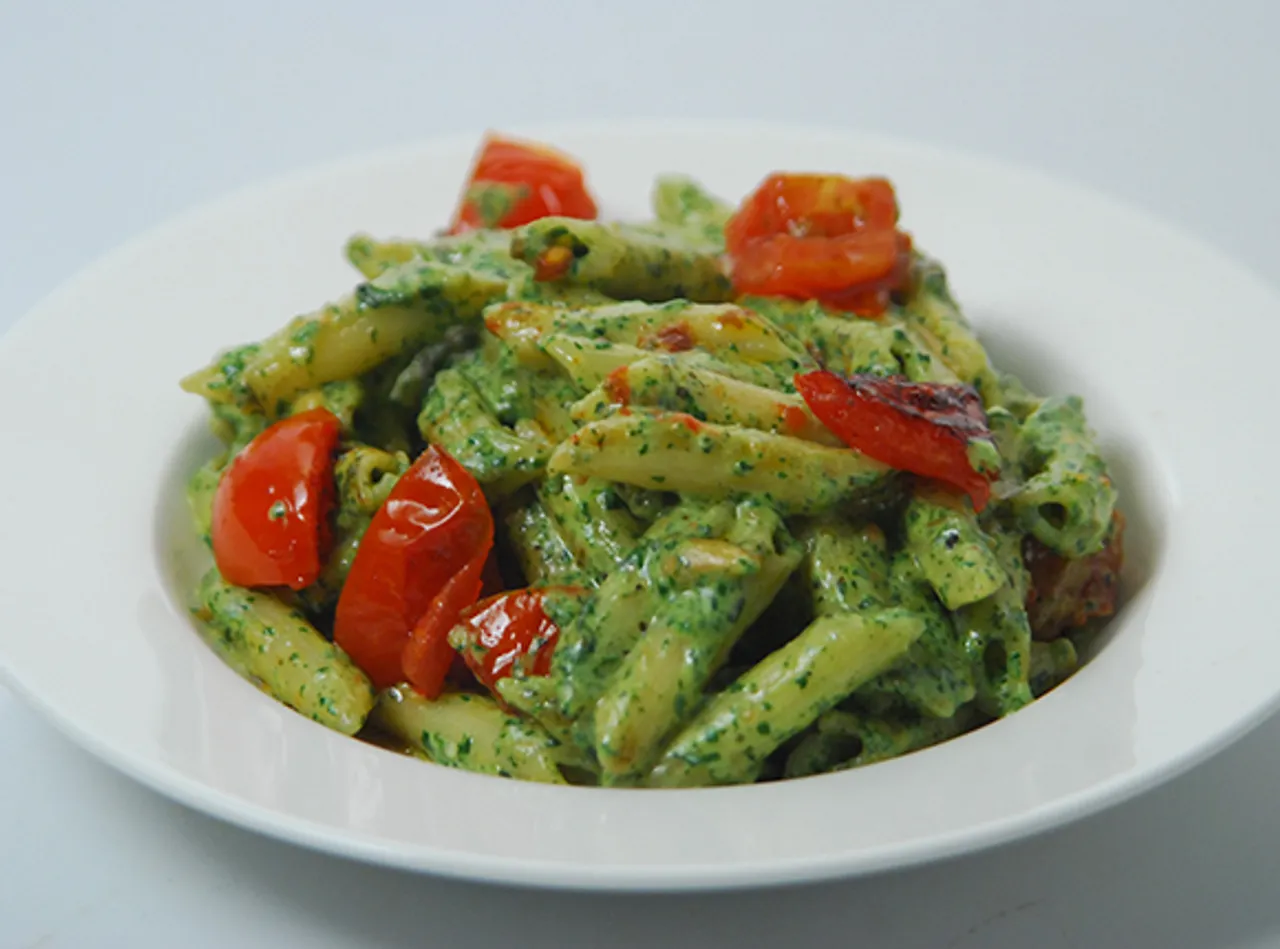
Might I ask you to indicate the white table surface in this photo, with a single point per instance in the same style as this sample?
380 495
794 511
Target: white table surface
115 116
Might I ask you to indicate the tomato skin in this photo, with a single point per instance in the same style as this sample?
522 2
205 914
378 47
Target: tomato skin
543 183
824 237
511 631
924 428
434 523
809 205
427 655
806 267
871 299
270 512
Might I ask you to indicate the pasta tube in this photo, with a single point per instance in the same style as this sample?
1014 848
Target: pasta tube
738 728
624 261
400 311
954 553
1068 499
675 452
277 647
470 732
722 586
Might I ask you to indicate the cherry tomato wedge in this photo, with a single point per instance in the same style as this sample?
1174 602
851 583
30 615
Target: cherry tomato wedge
807 267
514 182
428 655
433 527
924 428
807 205
872 298
511 631
270 512
823 237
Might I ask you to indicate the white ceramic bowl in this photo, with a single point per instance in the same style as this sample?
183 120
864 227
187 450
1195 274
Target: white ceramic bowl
1158 333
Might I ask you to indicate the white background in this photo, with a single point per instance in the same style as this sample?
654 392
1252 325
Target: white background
114 116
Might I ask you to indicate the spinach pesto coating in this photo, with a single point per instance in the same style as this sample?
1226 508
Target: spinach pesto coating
842 740
501 459
616 615
1068 499
666 382
623 261
728 741
471 732
398 312
588 343
935 676
717 589
945 332
675 452
682 202
845 346
850 572
996 633
846 567
955 555
592 519
279 648
538 545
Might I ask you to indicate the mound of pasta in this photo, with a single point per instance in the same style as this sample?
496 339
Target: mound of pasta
730 495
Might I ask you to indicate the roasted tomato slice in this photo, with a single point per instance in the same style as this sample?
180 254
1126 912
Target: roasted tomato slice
418 565
823 237
510 632
809 205
816 267
919 427
272 504
428 655
514 182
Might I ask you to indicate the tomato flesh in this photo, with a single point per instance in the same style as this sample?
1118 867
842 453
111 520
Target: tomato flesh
784 265
428 655
923 428
823 237
270 512
514 182
510 632
433 526
808 205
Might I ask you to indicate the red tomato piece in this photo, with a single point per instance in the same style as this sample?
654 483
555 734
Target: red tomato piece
434 525
823 237
270 512
676 337
804 268
809 205
511 631
872 298
514 182
924 428
427 654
